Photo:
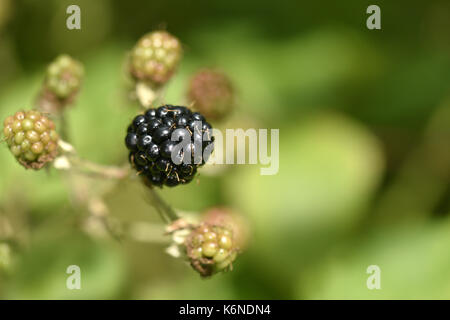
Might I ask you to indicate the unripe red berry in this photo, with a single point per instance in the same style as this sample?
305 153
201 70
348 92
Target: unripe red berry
211 93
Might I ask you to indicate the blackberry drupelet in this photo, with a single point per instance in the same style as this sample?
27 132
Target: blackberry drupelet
168 144
31 138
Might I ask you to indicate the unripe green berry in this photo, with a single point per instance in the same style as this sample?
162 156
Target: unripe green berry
17 126
15 150
37 147
225 242
27 124
20 115
39 127
61 85
155 57
197 254
25 145
64 76
210 249
221 255
19 137
225 263
33 115
31 138
30 156
210 236
45 137
7 131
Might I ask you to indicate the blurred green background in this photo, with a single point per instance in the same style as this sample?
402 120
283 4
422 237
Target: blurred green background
364 119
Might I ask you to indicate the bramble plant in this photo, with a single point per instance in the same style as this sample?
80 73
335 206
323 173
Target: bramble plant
166 144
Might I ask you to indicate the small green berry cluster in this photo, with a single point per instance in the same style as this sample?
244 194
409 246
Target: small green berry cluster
211 93
31 138
155 57
211 249
64 77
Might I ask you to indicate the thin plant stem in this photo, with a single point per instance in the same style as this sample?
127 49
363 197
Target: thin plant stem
95 169
165 210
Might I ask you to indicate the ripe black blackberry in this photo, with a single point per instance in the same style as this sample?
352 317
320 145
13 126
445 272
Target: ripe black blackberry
168 144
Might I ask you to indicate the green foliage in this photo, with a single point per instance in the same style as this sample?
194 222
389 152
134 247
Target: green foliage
412 260
364 161
41 272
